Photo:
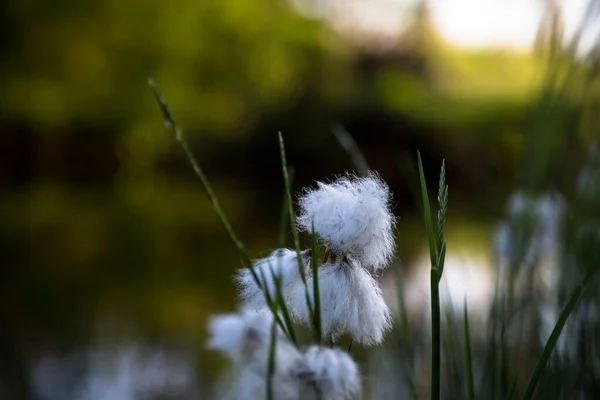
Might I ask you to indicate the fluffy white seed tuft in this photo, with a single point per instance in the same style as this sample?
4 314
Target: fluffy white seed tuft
282 262
352 215
237 335
351 301
331 373
245 338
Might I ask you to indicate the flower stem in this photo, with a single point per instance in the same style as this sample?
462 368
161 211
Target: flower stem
553 339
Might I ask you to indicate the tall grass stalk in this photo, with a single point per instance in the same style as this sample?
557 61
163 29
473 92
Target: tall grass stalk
553 339
435 294
347 142
316 292
170 123
271 363
293 224
468 358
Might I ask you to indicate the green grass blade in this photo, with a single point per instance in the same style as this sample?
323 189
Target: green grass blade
170 123
435 295
405 335
513 388
316 289
272 303
468 359
281 305
293 223
283 219
347 142
271 363
440 261
553 339
427 215
435 337
441 220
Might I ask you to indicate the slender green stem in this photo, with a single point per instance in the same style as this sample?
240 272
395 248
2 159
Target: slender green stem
468 359
293 223
271 363
427 215
280 304
170 123
316 288
435 295
553 339
435 336
513 388
347 142
405 334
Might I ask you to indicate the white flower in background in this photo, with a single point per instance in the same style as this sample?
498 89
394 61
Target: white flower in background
352 216
245 338
331 373
284 263
531 230
351 301
235 335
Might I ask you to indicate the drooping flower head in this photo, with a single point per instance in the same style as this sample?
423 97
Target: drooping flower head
282 263
331 373
351 302
352 216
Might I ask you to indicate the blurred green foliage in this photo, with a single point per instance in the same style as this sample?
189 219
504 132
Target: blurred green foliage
101 215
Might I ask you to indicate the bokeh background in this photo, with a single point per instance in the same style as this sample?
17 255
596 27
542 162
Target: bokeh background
112 257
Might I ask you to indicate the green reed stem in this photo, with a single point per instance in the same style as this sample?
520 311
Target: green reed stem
468 359
553 339
293 224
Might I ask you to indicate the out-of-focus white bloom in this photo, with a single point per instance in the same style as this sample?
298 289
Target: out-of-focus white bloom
282 262
588 181
531 230
331 373
237 335
245 338
351 301
352 216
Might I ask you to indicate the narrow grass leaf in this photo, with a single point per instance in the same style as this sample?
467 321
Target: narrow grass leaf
468 359
281 305
271 363
553 339
513 388
435 295
316 289
170 123
347 142
435 337
293 224
427 214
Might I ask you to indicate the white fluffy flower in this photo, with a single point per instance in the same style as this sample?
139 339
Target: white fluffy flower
351 301
245 338
236 335
283 262
331 373
352 215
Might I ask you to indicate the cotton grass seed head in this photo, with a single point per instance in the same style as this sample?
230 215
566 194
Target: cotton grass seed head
281 262
332 373
352 216
237 335
245 338
351 301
